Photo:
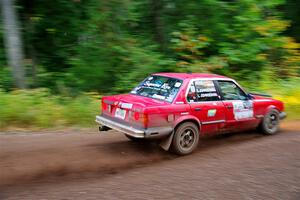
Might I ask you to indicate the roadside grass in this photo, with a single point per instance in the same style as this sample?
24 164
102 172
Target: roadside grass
292 109
289 93
293 112
39 109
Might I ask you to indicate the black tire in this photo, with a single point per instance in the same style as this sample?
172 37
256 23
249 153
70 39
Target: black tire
134 139
270 123
186 138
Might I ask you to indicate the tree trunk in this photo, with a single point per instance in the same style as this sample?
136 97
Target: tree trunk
157 9
13 42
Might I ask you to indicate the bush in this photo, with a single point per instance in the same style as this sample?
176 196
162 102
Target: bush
39 109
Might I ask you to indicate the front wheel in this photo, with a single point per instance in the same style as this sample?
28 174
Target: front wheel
186 138
270 123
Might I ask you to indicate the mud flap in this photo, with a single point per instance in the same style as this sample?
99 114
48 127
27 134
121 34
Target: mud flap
166 143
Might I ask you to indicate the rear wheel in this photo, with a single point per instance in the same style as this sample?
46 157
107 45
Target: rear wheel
270 123
186 138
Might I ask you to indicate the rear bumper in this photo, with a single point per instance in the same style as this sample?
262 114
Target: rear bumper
282 115
155 132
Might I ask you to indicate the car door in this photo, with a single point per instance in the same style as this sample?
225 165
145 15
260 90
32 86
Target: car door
238 107
205 103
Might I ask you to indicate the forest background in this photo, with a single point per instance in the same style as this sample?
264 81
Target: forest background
58 57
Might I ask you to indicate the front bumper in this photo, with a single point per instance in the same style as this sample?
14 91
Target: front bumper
124 127
282 115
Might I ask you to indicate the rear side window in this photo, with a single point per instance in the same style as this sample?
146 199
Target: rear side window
231 91
202 90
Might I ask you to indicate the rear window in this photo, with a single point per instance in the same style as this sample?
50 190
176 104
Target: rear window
158 87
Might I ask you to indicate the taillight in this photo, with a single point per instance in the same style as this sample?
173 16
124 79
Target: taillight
103 105
139 117
145 120
136 116
106 107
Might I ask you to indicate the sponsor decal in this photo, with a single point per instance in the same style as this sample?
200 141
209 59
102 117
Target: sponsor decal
177 84
165 86
157 96
206 90
152 84
126 105
209 94
184 113
242 109
211 113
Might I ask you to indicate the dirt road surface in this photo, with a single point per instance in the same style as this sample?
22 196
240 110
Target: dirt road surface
77 165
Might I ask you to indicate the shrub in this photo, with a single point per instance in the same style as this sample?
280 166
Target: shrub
40 109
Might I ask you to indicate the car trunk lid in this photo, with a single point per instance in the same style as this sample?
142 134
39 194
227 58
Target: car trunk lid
129 107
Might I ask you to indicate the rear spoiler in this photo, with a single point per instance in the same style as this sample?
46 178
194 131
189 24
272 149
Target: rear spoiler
259 94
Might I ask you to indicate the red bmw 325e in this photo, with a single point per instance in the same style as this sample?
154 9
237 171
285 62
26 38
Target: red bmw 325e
176 108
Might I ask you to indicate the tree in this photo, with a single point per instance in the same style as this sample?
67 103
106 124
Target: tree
13 42
158 25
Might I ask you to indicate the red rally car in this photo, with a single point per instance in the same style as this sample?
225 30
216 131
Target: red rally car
176 108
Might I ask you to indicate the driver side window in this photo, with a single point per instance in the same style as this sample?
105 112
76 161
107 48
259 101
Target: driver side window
231 91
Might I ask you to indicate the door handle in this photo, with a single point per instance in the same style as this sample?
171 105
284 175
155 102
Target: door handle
229 106
197 109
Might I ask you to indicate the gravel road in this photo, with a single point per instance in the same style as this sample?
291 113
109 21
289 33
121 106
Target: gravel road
87 165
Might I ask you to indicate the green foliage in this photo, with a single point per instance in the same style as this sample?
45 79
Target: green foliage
77 46
5 78
288 92
109 46
292 13
112 58
240 39
38 108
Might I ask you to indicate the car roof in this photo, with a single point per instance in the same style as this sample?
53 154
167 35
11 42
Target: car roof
190 75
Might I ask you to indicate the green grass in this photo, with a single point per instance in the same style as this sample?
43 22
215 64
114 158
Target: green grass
289 93
293 112
39 109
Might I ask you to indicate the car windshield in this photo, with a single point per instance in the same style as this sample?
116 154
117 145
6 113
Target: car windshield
158 87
